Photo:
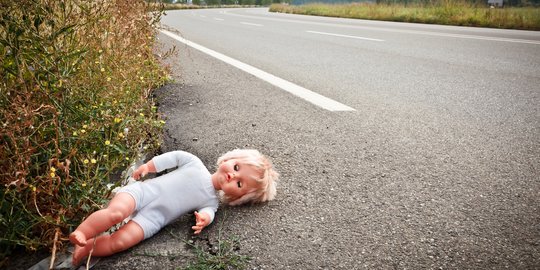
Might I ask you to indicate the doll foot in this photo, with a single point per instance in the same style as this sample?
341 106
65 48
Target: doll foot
79 254
77 238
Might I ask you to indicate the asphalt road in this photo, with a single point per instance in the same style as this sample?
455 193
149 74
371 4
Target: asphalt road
372 63
437 166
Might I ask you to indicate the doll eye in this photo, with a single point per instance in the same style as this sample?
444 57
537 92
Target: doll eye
239 184
236 167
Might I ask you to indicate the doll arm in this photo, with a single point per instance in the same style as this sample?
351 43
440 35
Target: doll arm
144 169
173 159
203 218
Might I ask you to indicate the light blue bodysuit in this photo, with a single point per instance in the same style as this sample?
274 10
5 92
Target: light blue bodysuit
161 200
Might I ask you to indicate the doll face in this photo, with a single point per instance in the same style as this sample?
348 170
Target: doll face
236 178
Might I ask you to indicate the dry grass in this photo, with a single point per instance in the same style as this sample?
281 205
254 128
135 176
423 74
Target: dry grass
76 106
444 12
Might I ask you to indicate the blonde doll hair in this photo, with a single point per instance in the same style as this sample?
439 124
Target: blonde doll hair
267 183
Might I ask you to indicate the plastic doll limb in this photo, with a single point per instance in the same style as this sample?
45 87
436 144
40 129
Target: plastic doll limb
144 169
121 206
105 245
201 220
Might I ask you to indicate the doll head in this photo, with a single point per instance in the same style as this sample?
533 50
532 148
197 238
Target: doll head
257 174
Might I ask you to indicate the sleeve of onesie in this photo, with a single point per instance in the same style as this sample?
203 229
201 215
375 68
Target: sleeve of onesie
172 159
210 211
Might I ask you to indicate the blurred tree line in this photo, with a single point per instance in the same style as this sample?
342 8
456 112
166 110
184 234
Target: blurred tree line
513 3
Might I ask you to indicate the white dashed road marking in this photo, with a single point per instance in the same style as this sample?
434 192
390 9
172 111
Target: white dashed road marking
345 36
299 91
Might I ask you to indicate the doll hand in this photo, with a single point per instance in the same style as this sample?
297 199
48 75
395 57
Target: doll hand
144 169
140 172
201 220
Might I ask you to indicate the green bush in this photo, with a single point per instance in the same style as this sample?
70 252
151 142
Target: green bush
75 107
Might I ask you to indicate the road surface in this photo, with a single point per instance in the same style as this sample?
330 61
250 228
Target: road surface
433 163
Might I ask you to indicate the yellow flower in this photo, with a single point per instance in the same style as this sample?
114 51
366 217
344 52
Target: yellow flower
127 158
107 142
86 161
84 184
162 122
34 189
141 114
93 161
53 175
53 169
105 156
83 131
100 51
75 133
102 69
108 79
117 120
142 78
139 55
84 126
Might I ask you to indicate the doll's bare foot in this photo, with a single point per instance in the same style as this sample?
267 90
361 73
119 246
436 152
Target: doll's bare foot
80 253
77 238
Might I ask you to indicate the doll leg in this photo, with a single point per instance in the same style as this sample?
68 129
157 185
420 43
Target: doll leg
121 206
105 245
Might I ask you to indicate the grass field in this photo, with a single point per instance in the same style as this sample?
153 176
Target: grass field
446 13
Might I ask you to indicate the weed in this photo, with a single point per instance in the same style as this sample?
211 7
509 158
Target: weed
221 257
75 108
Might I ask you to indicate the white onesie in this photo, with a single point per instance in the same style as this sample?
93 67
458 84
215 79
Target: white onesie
161 200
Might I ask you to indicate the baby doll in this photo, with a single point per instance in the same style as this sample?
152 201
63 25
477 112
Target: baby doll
243 175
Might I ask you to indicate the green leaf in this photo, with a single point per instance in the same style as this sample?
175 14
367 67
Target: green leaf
61 31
